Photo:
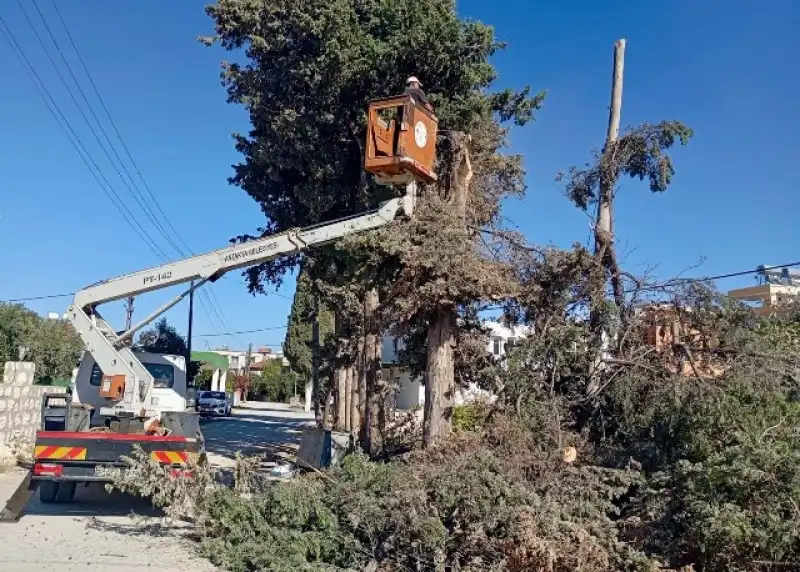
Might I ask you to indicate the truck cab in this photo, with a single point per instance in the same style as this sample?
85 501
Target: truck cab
170 390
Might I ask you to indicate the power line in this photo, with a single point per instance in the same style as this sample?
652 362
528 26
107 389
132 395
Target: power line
132 187
71 94
114 125
134 190
32 298
742 273
210 298
272 329
74 140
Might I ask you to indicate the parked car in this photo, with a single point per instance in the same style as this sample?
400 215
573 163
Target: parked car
214 404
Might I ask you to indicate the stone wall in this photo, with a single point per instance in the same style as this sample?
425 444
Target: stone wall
21 402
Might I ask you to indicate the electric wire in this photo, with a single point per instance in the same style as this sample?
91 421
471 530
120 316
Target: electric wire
212 302
132 187
74 140
696 279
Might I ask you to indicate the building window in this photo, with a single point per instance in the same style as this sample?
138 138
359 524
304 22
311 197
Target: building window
496 346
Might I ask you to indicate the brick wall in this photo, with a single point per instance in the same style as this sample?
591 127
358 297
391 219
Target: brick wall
20 402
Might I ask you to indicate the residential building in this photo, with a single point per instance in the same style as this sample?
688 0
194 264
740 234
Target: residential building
237 359
683 348
776 292
410 393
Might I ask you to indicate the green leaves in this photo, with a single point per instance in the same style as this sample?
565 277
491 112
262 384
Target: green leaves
640 153
53 345
310 70
162 338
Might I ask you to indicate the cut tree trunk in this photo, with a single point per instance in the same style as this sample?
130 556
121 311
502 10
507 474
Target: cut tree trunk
440 382
604 248
362 393
340 376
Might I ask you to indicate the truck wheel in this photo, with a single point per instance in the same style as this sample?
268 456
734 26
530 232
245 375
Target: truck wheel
48 491
66 491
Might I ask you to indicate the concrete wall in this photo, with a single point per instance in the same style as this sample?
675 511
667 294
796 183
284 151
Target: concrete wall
20 402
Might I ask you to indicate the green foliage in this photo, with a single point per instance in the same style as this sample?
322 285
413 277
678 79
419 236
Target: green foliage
203 379
640 153
470 416
483 501
310 71
53 345
728 487
163 338
273 383
298 347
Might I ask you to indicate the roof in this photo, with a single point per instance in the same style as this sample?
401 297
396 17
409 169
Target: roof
211 358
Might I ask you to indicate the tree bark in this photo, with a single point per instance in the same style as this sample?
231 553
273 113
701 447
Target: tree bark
440 382
371 375
315 364
347 398
604 249
440 369
340 377
341 398
355 395
362 393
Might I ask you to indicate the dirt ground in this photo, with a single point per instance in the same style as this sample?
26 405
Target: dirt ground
97 531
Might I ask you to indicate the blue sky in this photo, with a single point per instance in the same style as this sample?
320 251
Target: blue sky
727 69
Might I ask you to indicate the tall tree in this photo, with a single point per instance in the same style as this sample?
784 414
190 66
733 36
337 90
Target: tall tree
641 153
310 70
298 347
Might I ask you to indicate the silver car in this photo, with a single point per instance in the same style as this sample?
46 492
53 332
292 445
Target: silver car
214 404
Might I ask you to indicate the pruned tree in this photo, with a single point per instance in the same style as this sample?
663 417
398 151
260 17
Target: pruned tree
640 153
310 70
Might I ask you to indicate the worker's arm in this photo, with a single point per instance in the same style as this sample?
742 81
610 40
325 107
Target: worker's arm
419 96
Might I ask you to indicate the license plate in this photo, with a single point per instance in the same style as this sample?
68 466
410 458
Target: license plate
105 472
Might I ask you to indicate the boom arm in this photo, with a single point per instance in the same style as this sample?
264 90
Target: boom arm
126 382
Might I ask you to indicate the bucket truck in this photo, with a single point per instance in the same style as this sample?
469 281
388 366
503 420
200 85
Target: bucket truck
121 398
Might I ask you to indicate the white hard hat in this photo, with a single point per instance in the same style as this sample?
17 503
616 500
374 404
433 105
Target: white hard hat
413 78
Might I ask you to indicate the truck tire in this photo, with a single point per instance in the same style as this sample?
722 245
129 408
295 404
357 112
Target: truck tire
48 491
66 491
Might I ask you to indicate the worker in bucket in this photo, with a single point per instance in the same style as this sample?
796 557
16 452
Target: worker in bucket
414 88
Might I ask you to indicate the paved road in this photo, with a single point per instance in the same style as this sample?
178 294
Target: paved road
96 532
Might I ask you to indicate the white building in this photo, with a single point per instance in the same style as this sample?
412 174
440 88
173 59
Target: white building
411 392
238 358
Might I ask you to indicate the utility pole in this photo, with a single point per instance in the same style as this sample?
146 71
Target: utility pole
129 316
315 361
247 358
189 331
